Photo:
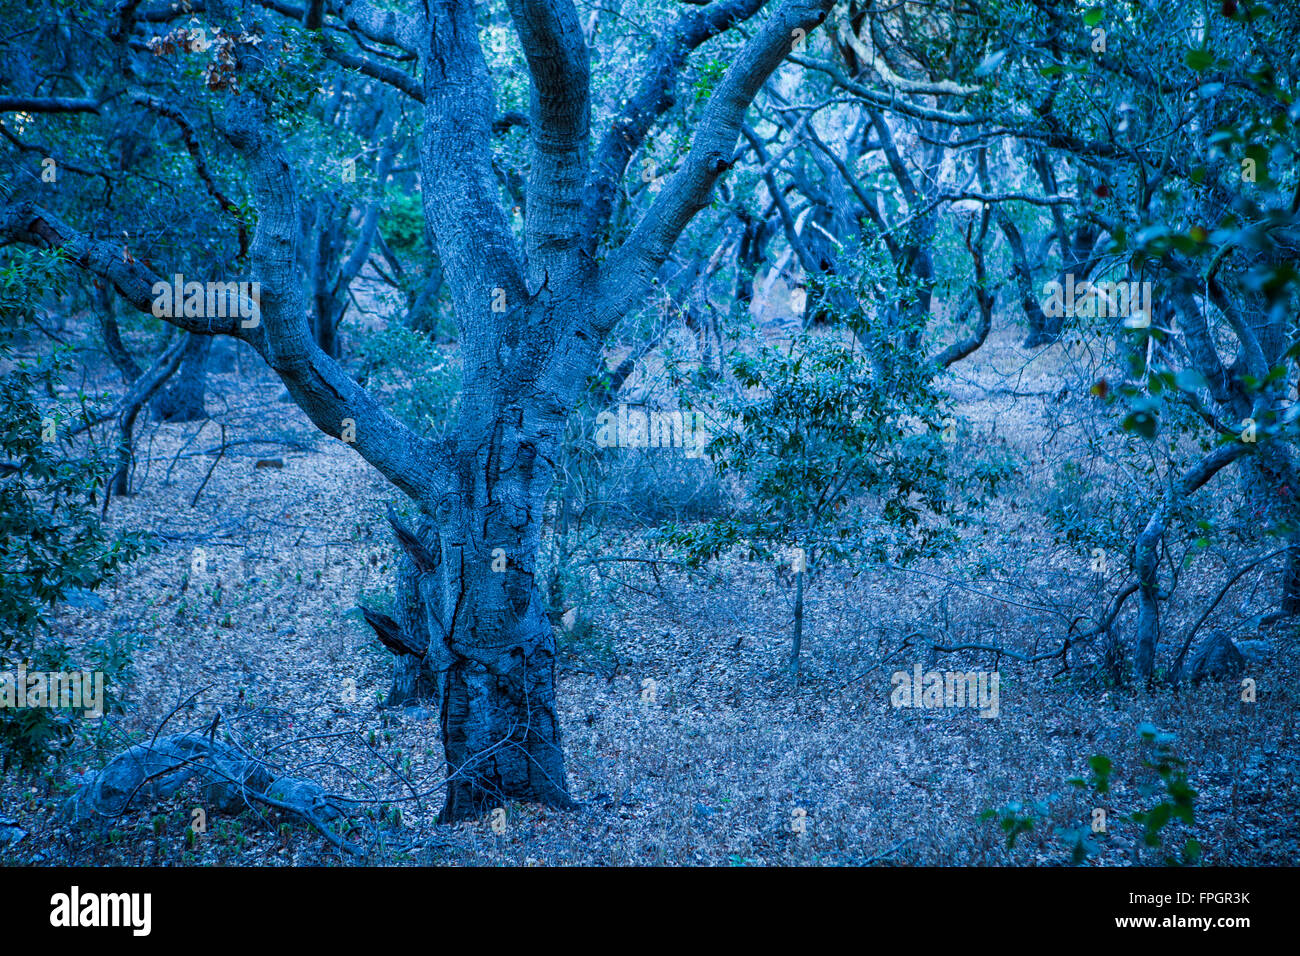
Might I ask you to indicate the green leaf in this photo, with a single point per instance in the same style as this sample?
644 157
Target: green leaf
1143 423
1199 60
1156 818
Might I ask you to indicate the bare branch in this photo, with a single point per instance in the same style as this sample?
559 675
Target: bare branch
190 136
629 271
653 97
48 104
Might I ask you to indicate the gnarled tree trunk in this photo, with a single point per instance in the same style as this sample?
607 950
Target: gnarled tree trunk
472 627
532 312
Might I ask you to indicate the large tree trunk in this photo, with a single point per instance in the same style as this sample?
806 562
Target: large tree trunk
183 399
499 723
531 315
470 610
496 662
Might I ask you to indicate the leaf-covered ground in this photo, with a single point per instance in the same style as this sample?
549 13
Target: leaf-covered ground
687 742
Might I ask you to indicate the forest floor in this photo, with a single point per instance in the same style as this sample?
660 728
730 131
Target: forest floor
687 741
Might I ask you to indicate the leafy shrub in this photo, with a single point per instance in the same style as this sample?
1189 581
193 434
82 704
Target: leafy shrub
1175 800
1083 515
415 379
836 457
51 538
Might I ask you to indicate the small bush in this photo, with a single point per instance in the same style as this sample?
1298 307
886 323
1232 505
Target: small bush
417 382
51 538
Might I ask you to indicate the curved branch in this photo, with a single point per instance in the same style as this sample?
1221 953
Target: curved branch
629 271
560 66
317 383
29 223
461 199
983 297
190 136
654 96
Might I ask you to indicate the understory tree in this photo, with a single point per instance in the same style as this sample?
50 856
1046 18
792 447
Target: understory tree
533 302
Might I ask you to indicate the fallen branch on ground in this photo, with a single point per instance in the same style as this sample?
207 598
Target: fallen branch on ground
229 780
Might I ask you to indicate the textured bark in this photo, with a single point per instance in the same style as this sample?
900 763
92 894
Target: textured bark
499 723
184 399
531 319
469 599
229 779
1147 551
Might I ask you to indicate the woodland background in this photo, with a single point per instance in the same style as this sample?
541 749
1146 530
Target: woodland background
911 459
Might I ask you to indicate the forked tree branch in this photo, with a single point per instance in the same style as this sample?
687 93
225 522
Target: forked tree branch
630 270
654 96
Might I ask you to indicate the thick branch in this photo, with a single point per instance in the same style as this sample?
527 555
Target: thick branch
630 270
48 104
459 189
654 96
316 382
28 223
560 103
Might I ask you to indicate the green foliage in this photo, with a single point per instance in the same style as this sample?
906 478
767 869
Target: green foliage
1083 513
404 225
1176 798
1176 801
51 537
839 445
708 74
1015 818
418 382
